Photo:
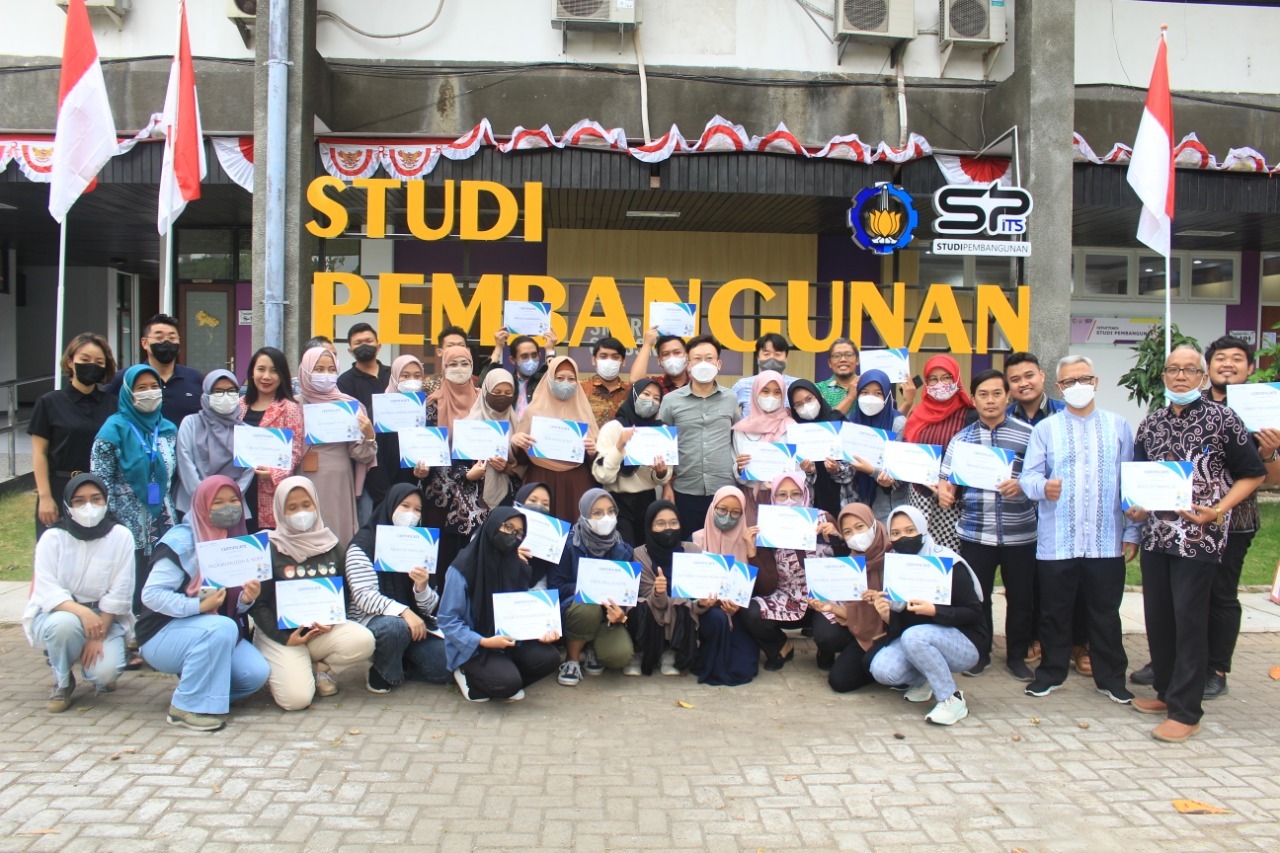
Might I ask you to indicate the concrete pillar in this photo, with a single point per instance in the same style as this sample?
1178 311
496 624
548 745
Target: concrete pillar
1040 99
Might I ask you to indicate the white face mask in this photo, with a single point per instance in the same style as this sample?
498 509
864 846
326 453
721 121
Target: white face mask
300 522
674 365
224 404
860 542
147 401
768 404
324 382
405 518
89 515
409 386
603 525
808 411
943 391
608 368
704 371
1078 396
458 375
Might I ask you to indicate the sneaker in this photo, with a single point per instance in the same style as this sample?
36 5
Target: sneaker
1040 688
949 711
919 693
1216 686
979 668
570 674
590 663
461 677
375 683
1145 676
325 685
514 697
100 689
1033 652
633 666
667 665
1080 660
195 722
60 698
1119 695
1019 670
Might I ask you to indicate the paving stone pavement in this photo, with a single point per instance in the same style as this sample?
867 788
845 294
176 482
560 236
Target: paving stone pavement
615 764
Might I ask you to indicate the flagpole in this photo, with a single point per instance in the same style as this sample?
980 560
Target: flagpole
62 288
166 286
1168 304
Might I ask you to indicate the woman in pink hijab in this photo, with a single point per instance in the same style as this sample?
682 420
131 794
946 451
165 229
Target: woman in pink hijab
766 422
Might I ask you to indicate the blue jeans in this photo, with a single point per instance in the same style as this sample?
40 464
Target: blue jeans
925 653
62 635
396 655
214 666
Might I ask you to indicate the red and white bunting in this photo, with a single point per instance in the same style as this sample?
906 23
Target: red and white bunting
235 155
975 170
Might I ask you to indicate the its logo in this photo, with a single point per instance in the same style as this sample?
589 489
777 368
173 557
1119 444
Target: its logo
967 210
883 218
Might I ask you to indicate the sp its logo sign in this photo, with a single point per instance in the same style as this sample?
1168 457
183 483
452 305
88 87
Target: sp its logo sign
883 218
967 210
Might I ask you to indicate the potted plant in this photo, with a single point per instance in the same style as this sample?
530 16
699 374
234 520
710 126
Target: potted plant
1146 380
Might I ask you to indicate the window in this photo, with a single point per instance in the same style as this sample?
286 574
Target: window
1105 274
942 269
205 254
1213 277
1271 278
1139 275
1151 278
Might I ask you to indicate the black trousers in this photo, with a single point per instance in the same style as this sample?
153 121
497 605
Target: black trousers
1224 601
631 509
852 669
1175 601
768 633
501 673
1102 581
692 510
1018 568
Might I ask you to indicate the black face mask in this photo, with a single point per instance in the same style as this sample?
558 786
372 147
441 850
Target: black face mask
505 543
164 352
909 544
669 539
88 373
365 352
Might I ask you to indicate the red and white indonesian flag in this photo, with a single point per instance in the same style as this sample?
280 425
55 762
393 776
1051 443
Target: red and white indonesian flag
184 166
1151 164
85 138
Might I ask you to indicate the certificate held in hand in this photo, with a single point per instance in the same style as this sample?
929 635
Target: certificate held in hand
698 576
864 442
794 527
1156 486
836 578
527 318
1257 404
526 615
768 460
673 318
650 443
910 577
310 601
403 549
234 561
739 584
477 440
427 446
913 463
544 535
331 423
980 466
263 447
398 411
557 439
895 363
816 442
607 581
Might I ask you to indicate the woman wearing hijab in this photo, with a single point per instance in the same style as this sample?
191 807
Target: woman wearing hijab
929 642
206 442
829 478
594 535
767 421
199 634
559 396
788 605
664 630
338 469
868 538
81 592
495 403
536 497
874 408
398 608
943 411
269 403
727 654
305 661
406 376
632 486
485 664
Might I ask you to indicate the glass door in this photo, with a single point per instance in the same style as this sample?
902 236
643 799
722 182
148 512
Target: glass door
207 315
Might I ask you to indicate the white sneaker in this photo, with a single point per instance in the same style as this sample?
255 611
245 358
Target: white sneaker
919 693
514 697
633 666
325 685
949 711
570 674
668 663
590 663
461 677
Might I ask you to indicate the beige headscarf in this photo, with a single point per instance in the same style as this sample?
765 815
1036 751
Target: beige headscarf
544 404
497 484
300 546
455 400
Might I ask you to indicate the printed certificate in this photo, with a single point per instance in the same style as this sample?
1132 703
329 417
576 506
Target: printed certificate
426 445
1258 405
331 423
673 318
817 442
234 561
913 463
1156 486
557 439
263 447
476 440
793 527
980 466
768 460
836 578
650 443
310 601
605 581
866 443
526 615
403 549
696 576
544 535
894 362
527 318
739 583
399 411
909 577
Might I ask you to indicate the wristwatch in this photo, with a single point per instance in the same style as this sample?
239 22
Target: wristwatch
1218 509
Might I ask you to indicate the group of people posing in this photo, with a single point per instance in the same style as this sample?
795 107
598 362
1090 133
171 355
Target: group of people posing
135 470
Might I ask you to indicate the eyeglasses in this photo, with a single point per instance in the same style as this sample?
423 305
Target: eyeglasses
96 500
511 530
1189 372
224 395
735 514
939 379
1080 380
842 356
601 513
666 525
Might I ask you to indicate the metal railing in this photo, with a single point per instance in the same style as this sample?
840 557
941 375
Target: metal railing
11 393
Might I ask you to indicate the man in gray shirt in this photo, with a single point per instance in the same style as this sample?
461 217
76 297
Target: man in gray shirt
703 412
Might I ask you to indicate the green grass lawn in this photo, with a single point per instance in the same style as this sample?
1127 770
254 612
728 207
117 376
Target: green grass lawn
17 535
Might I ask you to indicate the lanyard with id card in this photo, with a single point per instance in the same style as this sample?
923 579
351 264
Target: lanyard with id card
153 488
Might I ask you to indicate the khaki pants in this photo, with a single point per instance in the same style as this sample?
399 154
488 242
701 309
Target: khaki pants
292 681
612 643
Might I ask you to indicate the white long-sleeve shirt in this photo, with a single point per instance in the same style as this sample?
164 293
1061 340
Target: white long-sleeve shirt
85 571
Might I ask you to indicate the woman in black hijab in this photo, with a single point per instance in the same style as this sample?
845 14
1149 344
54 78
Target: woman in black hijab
632 486
485 664
808 406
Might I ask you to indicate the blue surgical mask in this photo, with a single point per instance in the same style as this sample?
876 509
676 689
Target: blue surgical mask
1181 398
527 368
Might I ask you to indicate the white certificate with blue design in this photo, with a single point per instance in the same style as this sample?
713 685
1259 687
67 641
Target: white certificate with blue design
650 443
739 583
544 535
527 318
427 446
234 561
980 466
526 615
817 442
263 447
1257 404
836 578
310 601
909 577
866 443
698 576
403 549
794 527
476 440
331 423
1156 486
398 411
673 318
768 460
894 362
913 463
557 439
607 581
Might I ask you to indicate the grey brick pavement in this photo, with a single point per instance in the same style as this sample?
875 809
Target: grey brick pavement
615 764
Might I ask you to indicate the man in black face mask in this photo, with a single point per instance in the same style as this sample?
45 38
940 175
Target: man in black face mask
181 384
367 377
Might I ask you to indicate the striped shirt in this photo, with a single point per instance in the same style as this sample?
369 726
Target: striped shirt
366 599
986 517
1085 453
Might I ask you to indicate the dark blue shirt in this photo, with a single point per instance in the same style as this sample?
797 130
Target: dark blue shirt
1048 406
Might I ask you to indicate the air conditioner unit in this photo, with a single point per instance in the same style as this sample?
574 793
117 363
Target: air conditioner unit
979 23
241 9
875 20
116 10
609 13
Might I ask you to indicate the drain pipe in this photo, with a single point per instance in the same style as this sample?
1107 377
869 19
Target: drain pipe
277 150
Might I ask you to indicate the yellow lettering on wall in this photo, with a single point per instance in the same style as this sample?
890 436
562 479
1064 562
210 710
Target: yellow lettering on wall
416 204
520 287
940 300
799 314
718 311
533 212
324 302
659 289
391 308
865 299
328 206
1016 325
508 211
603 291
376 204
449 309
